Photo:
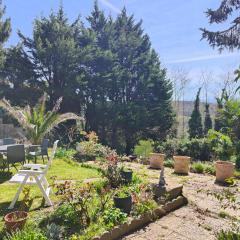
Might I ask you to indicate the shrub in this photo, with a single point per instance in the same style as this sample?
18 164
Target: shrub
197 167
54 232
228 235
65 153
113 217
210 169
169 163
197 149
65 215
143 148
169 147
222 145
28 233
90 149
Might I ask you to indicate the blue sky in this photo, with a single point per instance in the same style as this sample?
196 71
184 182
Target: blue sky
173 27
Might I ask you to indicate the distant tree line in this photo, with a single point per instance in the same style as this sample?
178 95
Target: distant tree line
105 69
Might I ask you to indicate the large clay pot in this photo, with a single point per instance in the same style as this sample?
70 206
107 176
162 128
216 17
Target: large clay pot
181 164
224 170
156 160
15 220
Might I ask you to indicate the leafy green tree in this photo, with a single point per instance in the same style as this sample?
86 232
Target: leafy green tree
207 120
107 70
127 88
36 121
50 60
219 124
195 121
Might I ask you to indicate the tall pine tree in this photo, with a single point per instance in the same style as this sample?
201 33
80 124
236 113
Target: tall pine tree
208 120
53 57
5 30
195 122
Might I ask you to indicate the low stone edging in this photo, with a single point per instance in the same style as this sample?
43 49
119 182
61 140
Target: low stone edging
142 221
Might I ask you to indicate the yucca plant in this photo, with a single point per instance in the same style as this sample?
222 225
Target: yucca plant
36 121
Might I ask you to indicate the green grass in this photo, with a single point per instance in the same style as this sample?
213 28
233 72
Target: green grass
63 169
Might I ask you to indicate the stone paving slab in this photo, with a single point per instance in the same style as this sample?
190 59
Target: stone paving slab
199 220
174 226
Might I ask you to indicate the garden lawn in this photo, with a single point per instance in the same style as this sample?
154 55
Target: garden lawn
62 169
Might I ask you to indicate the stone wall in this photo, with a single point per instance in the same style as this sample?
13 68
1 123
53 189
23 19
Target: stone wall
9 130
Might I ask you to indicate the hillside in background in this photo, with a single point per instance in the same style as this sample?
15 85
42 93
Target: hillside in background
184 110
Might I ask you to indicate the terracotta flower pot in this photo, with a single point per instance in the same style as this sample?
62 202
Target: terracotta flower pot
181 164
15 220
156 160
224 170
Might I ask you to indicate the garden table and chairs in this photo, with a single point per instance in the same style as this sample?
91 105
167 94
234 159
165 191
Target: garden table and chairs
34 174
39 150
10 154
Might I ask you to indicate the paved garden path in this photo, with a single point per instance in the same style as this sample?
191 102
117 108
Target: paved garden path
199 219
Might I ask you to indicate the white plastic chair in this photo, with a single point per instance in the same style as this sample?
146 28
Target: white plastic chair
35 175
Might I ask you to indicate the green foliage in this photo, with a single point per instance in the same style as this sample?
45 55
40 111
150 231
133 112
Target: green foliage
5 30
144 206
64 215
197 167
224 38
122 192
143 148
113 217
91 148
210 169
65 153
228 235
201 167
195 121
28 233
222 145
198 149
207 120
169 163
54 232
106 71
36 121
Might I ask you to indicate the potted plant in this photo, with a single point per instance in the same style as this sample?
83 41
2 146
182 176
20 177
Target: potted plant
181 164
126 175
223 150
156 160
123 200
17 219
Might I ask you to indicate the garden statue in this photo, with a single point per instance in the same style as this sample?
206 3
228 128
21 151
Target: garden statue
159 190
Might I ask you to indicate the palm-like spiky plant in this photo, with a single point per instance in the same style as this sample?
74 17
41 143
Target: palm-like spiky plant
36 121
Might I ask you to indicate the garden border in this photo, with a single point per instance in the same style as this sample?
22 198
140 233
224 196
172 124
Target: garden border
177 201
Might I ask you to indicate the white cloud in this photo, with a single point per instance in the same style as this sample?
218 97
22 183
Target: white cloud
202 58
111 6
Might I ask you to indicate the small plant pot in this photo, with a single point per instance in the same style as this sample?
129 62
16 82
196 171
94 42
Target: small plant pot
156 160
124 204
224 170
127 176
181 164
15 220
132 157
